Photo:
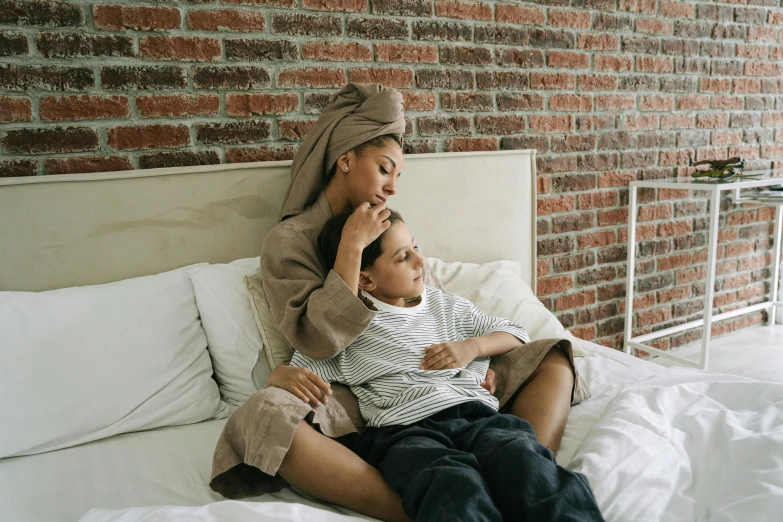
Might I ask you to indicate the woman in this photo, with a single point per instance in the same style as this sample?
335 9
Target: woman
352 156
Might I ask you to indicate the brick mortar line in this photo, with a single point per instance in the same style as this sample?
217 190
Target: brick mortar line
282 142
280 65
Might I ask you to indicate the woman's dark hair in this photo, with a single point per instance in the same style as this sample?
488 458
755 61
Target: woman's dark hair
378 141
332 232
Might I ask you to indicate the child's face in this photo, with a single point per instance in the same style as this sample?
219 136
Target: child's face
397 273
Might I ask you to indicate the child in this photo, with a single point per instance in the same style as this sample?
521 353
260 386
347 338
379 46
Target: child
433 431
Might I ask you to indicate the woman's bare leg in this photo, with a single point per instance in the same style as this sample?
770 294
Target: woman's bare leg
545 400
325 469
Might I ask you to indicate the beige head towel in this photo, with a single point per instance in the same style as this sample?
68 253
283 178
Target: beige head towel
357 113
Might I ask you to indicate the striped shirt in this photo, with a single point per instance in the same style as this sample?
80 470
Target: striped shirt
382 365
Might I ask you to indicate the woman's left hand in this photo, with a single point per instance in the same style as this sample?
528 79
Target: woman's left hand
449 355
490 381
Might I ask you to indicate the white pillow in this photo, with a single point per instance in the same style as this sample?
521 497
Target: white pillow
84 363
497 289
234 340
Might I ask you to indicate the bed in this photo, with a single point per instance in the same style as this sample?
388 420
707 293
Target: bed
656 443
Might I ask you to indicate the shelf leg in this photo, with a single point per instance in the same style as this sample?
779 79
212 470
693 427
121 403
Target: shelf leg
630 274
709 289
776 244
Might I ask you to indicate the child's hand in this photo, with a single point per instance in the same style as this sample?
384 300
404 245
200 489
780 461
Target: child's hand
490 381
448 355
301 382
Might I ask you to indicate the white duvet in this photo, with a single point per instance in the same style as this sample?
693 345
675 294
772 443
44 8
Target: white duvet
676 445
704 447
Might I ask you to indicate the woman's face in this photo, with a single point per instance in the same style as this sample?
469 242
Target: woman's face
372 175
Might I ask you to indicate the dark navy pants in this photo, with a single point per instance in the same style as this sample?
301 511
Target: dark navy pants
471 463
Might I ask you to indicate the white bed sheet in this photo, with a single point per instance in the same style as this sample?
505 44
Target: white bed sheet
171 466
162 466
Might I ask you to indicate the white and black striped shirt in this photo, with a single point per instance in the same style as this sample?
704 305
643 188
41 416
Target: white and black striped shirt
382 365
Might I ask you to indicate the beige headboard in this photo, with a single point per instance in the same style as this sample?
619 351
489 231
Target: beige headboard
80 229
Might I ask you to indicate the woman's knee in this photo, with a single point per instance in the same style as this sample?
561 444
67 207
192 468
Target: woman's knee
557 365
557 360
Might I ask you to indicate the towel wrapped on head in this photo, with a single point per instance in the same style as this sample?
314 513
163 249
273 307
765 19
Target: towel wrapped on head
356 113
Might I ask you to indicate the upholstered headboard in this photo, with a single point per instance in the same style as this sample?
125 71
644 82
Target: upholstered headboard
80 229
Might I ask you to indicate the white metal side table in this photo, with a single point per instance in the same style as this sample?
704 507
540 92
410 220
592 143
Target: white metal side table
769 178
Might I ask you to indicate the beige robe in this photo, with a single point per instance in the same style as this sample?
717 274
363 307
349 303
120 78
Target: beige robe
319 315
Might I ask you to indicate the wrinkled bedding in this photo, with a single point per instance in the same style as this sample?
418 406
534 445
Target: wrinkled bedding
656 443
688 447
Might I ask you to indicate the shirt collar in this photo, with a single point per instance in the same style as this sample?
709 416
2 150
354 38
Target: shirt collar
411 310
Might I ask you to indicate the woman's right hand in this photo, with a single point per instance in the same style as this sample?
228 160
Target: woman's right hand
366 224
303 383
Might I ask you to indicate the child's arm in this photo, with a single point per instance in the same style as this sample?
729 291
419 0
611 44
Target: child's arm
483 336
496 343
456 354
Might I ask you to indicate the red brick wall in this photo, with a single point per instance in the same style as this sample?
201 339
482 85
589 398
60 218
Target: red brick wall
607 91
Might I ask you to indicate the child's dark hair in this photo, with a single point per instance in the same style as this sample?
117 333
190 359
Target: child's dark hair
378 141
332 232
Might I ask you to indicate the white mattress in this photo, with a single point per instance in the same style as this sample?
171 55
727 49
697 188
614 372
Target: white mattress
171 466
